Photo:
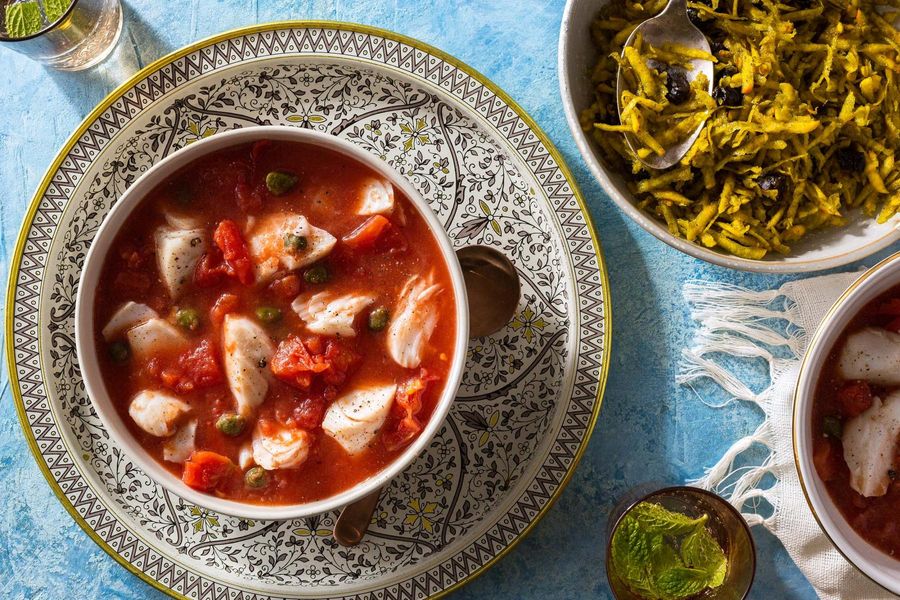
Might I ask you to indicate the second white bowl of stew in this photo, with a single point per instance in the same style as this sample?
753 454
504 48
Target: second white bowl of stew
847 424
272 323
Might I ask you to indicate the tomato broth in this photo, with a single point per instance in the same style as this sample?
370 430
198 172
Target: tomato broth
226 197
840 400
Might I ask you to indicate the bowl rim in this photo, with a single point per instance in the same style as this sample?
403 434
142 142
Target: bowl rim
816 353
654 227
86 343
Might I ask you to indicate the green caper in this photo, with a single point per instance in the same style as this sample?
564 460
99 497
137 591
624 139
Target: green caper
832 427
119 352
280 182
188 318
230 424
256 477
378 318
268 314
316 274
294 242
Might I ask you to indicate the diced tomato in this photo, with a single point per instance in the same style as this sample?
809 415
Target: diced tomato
293 364
195 369
855 398
365 236
257 149
226 303
407 405
205 470
341 360
315 344
210 270
249 198
309 412
827 458
297 363
286 287
401 434
229 240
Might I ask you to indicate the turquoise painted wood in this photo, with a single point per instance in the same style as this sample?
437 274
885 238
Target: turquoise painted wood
649 429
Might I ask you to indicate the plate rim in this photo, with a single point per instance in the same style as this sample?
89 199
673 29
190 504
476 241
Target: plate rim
128 84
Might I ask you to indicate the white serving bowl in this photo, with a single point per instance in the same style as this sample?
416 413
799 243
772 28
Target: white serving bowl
875 564
821 250
87 347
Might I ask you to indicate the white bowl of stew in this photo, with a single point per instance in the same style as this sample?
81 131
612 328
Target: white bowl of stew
272 323
847 424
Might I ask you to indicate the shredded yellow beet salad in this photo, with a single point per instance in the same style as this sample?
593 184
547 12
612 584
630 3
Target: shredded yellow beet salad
802 127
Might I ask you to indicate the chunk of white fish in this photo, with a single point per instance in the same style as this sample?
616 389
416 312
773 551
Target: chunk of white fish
282 448
267 248
155 336
245 456
157 412
247 350
177 220
870 442
130 314
180 446
871 354
353 420
413 322
327 314
376 197
177 253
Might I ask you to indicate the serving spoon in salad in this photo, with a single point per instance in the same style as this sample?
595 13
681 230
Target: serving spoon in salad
493 290
671 26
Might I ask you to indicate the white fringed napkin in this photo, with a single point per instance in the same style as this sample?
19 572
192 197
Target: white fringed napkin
774 325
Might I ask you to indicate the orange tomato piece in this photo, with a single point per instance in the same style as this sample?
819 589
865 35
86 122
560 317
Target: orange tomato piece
367 233
205 470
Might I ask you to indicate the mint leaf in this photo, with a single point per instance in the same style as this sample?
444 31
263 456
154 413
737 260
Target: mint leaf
657 519
680 582
663 555
23 19
701 551
633 551
54 9
630 545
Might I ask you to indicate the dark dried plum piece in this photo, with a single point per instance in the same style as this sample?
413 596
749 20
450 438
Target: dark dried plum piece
677 86
851 159
728 96
773 181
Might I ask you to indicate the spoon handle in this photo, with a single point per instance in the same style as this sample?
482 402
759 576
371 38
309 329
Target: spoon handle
354 520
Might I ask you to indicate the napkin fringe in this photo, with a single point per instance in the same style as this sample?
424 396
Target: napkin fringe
741 323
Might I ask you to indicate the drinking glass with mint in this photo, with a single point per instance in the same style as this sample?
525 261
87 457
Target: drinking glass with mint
63 34
680 543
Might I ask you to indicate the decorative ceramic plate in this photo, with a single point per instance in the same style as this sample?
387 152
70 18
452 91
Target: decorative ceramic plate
530 395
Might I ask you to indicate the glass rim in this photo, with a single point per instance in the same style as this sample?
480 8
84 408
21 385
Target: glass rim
5 38
691 490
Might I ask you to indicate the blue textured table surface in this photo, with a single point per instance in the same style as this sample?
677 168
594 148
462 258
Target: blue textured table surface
649 429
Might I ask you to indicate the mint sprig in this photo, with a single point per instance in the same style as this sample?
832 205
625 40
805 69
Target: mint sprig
664 555
23 19
54 9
